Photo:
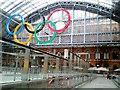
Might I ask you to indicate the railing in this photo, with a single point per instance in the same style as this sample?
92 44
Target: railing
69 81
13 74
56 80
116 79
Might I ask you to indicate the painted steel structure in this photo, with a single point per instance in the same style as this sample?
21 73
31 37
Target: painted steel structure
80 31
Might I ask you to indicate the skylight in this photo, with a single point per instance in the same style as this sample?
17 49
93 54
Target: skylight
25 7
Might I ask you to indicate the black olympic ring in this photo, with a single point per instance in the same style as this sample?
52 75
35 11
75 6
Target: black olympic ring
40 28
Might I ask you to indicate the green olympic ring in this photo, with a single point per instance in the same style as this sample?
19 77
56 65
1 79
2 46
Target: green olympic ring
51 39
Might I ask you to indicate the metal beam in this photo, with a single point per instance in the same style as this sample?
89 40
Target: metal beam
22 54
31 48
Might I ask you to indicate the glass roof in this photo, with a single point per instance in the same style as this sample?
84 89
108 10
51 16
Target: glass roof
25 7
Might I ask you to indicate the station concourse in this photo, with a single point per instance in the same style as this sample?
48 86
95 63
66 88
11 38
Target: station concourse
59 44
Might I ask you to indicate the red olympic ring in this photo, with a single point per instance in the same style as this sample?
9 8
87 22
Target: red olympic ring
66 25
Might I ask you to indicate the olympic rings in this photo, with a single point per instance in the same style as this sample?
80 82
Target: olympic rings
66 25
7 24
51 39
42 26
39 27
15 36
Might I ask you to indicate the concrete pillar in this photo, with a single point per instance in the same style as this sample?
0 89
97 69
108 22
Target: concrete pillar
85 66
81 64
65 66
65 62
70 64
16 66
74 60
45 66
57 64
26 65
16 63
78 61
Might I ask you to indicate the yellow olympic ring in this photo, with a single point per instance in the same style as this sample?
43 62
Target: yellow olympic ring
15 36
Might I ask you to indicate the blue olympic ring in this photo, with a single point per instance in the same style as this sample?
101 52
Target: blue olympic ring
7 24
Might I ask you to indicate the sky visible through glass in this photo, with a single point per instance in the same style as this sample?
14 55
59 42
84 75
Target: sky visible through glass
25 7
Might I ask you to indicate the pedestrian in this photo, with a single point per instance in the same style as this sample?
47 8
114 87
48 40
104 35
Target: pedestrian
107 76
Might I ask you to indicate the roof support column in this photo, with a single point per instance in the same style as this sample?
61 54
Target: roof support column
72 28
84 25
97 25
111 26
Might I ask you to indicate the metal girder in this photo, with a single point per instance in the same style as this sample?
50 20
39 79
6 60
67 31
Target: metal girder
88 44
90 7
